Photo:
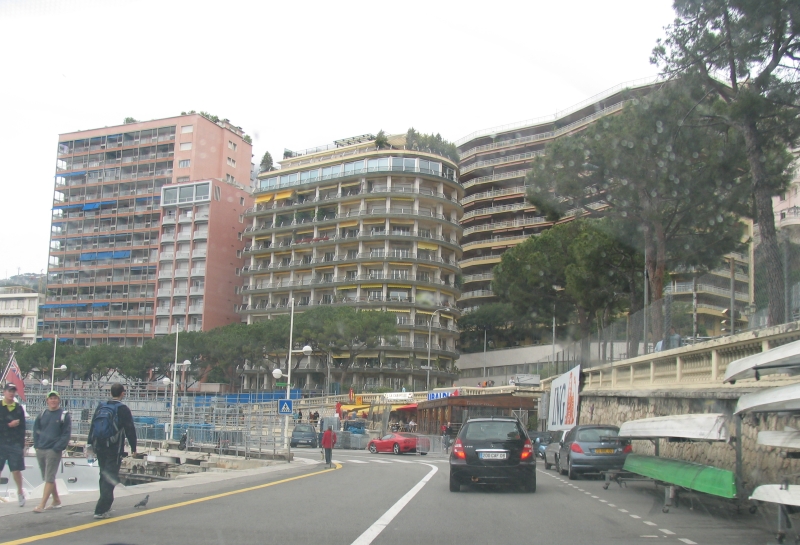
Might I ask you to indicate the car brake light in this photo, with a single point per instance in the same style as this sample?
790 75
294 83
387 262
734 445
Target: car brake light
627 449
575 447
458 450
527 450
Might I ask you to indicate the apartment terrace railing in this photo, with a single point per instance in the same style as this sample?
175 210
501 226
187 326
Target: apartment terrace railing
477 277
321 281
496 210
518 190
371 300
476 293
545 135
479 258
686 287
501 160
505 224
362 255
494 240
352 214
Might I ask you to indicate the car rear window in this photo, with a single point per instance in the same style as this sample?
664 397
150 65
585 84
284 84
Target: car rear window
593 435
492 431
303 428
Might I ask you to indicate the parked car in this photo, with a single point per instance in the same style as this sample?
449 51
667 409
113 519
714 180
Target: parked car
591 449
550 452
540 441
399 443
304 434
491 451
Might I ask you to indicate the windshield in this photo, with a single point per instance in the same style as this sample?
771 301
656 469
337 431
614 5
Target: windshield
492 431
594 435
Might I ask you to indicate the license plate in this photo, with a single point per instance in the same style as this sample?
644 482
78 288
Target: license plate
493 455
604 451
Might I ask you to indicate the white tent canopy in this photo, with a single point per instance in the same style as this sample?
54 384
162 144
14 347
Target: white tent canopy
783 398
700 427
780 439
781 360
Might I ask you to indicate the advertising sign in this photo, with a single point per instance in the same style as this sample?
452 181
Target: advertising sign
399 397
563 410
439 394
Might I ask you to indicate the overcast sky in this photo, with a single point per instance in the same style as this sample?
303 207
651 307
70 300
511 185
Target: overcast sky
292 74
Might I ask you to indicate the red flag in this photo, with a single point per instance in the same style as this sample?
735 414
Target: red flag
14 376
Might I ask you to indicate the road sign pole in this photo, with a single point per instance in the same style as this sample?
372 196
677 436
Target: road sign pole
289 375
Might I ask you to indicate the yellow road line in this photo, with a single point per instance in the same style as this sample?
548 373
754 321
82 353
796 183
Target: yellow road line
102 522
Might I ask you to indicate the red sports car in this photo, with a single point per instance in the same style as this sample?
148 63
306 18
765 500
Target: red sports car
399 443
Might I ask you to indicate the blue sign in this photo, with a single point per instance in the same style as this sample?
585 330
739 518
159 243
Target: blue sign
285 406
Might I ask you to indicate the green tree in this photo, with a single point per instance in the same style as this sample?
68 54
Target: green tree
345 330
247 139
747 54
381 141
433 143
129 120
266 162
656 175
501 324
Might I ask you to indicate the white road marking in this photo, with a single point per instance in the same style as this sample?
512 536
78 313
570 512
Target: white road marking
603 501
381 462
379 525
611 505
635 516
623 510
649 523
594 497
687 541
668 532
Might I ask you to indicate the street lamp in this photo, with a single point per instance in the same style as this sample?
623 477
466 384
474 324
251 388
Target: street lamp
277 374
53 371
186 363
430 326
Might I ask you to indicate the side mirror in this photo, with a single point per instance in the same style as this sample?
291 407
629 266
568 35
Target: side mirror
561 442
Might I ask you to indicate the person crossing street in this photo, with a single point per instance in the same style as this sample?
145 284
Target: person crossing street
328 442
12 438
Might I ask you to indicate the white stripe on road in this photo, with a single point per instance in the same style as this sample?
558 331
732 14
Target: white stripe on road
650 523
668 532
381 462
379 525
356 461
687 541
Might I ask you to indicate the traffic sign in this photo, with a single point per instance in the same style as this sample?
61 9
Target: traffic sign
285 406
281 384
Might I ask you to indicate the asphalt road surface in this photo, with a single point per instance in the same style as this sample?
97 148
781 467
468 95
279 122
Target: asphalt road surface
393 500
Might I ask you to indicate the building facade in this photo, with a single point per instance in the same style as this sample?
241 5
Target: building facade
200 251
103 259
493 166
374 229
19 307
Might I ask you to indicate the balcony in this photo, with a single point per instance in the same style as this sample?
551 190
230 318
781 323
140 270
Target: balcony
162 311
199 253
199 272
196 309
165 274
180 309
200 234
196 291
167 237
179 291
181 273
166 256
164 292
184 236
168 220
162 330
182 255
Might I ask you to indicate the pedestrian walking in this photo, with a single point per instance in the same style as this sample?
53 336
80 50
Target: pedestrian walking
51 433
111 424
12 438
328 442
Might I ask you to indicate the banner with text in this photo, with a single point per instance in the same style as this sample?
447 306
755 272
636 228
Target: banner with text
563 413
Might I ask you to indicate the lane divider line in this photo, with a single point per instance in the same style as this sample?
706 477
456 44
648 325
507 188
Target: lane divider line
155 510
380 525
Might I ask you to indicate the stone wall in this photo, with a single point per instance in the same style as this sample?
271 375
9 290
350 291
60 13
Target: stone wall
760 464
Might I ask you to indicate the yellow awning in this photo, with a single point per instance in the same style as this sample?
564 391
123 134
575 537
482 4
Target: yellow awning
306 191
348 223
376 200
373 221
264 198
345 288
400 199
352 408
446 316
268 237
284 195
305 232
427 246
372 285
398 310
324 268
424 289
425 312
402 222
328 187
276 254
351 184
400 286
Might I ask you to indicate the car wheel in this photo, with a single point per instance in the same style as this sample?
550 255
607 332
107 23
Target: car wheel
455 486
558 466
294 445
547 465
423 453
396 448
530 484
571 472
372 448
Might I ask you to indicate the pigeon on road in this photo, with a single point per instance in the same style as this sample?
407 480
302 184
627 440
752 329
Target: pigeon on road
143 503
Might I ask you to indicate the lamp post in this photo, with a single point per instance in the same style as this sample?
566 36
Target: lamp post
186 363
307 350
53 371
430 326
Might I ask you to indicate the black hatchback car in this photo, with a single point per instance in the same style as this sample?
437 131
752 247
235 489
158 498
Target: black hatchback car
492 451
304 434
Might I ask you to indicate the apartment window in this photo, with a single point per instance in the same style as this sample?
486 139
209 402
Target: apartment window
216 193
238 271
231 162
241 218
184 163
186 146
229 178
231 145
241 201
241 237
31 304
238 253
29 323
187 129
182 179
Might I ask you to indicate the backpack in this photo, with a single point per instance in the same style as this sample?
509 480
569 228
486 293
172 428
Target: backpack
105 424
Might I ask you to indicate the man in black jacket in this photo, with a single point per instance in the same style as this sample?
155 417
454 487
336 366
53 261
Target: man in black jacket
109 453
12 438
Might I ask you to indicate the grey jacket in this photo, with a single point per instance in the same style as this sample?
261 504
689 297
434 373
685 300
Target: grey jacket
52 430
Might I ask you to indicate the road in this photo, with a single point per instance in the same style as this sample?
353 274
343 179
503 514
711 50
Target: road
390 500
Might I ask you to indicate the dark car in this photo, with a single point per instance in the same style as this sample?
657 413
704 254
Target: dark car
304 434
491 451
591 449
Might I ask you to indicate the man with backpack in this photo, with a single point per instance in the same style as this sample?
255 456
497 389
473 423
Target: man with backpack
51 433
111 424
